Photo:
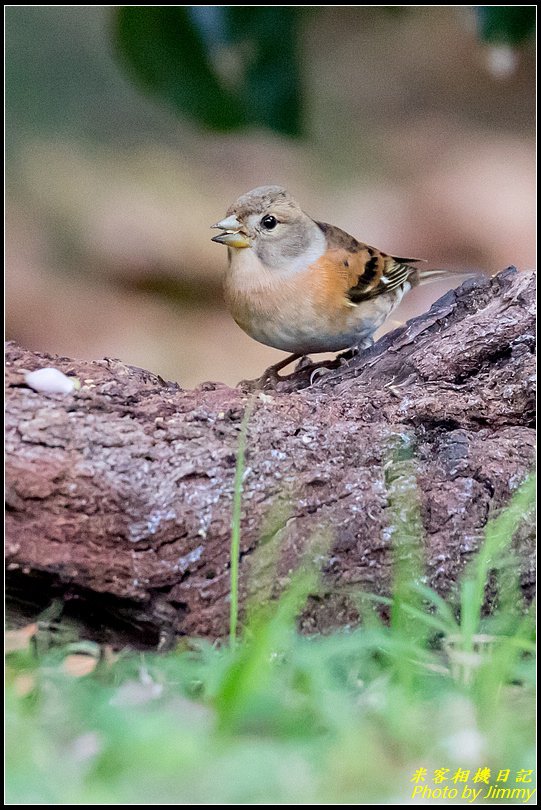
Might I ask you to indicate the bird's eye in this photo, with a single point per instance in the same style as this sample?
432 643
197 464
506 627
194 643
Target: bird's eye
269 222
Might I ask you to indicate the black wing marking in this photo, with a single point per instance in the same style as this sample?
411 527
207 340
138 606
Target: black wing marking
391 278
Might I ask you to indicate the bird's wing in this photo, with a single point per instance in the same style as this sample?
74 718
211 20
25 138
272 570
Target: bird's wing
366 271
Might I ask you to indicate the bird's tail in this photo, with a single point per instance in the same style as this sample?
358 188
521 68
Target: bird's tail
421 277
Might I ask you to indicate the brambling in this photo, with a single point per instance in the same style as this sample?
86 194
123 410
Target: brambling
305 286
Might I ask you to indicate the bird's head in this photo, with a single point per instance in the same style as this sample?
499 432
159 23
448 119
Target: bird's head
270 222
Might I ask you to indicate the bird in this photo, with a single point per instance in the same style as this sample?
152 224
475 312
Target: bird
305 286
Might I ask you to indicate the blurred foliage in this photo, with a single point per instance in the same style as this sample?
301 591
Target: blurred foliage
224 66
281 718
234 66
506 24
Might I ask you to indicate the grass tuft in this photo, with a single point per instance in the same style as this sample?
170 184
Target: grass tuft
275 717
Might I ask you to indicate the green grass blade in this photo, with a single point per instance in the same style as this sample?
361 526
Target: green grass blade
499 534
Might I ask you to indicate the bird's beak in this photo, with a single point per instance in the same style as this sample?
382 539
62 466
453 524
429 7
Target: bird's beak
233 235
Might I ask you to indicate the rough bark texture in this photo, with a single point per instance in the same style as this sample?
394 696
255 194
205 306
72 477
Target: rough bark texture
119 495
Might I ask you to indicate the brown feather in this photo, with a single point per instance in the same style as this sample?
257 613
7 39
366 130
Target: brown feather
371 272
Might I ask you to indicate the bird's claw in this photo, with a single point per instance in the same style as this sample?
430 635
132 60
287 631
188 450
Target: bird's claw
270 377
267 382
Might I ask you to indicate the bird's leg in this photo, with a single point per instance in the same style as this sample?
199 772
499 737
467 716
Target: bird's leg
359 348
349 354
341 359
272 371
270 375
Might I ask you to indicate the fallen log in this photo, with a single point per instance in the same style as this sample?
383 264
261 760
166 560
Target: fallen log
119 494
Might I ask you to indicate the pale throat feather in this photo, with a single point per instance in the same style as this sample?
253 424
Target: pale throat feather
246 271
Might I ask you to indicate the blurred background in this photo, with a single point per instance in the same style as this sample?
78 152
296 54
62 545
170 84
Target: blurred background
130 130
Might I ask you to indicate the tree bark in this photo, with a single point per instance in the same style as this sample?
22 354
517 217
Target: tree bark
119 495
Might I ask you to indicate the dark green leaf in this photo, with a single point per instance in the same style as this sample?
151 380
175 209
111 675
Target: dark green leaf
271 84
508 24
224 66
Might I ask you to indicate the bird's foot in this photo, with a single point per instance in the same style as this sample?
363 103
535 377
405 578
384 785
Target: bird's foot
326 366
271 380
361 347
341 360
348 355
270 377
266 382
